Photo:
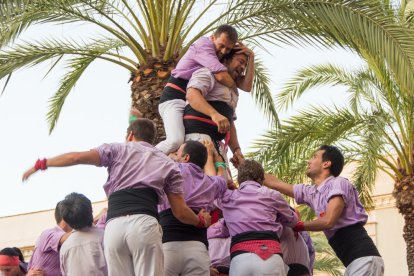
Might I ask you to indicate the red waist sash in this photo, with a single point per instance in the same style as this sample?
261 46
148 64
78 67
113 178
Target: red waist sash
262 248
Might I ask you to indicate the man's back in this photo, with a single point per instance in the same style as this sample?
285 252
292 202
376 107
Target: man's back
46 252
83 254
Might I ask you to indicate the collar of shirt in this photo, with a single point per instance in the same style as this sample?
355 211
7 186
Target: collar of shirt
249 183
322 187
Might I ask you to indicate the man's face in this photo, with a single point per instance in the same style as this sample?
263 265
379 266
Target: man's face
237 65
9 270
222 44
316 165
181 158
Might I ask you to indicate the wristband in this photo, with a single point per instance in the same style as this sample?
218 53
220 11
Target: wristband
41 164
299 227
132 118
220 164
202 222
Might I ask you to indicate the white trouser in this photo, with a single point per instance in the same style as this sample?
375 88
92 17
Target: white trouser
133 246
172 114
204 137
249 264
186 258
366 266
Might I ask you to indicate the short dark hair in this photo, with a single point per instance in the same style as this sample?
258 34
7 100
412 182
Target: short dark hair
228 57
77 211
143 130
334 155
250 170
58 213
229 30
197 152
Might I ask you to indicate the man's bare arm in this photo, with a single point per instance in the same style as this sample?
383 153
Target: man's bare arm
225 79
334 210
199 103
246 82
69 159
184 214
273 182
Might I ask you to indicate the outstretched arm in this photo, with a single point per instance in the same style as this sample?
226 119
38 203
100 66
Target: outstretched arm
68 159
274 183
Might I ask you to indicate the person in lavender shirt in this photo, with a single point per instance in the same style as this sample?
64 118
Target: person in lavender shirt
340 214
295 253
205 52
82 253
185 246
219 241
206 98
46 252
255 217
139 175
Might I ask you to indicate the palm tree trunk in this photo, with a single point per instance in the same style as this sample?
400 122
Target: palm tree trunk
404 194
147 85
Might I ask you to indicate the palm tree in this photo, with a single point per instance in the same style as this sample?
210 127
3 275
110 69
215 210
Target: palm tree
148 37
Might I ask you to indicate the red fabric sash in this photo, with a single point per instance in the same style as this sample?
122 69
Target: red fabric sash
176 87
262 248
9 260
208 121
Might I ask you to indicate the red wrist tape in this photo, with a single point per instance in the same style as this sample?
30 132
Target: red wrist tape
299 227
41 164
202 222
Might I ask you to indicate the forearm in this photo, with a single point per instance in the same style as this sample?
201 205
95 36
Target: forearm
273 183
318 224
186 215
209 168
225 79
199 103
246 82
234 141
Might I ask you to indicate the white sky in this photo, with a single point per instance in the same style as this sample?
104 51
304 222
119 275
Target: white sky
97 112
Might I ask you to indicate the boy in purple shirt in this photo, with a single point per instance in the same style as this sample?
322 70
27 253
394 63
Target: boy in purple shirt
205 52
46 251
139 176
185 246
340 214
255 217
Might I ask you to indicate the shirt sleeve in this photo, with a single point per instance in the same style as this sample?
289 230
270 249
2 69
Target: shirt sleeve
301 193
107 153
201 80
174 181
207 57
285 215
341 187
51 240
220 185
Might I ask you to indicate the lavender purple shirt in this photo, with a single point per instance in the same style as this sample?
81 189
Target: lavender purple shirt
139 165
200 190
294 249
219 242
317 197
46 252
200 54
255 208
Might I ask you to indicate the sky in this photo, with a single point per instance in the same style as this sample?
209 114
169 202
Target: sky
96 112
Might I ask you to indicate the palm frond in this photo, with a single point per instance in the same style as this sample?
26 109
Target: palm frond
261 92
326 260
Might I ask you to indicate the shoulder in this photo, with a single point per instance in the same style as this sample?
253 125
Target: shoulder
203 72
340 182
203 41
